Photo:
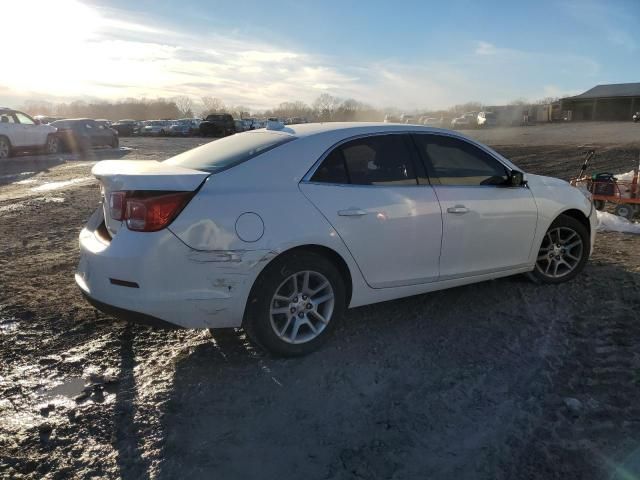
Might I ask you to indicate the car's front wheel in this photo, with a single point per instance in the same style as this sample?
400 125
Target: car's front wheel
295 304
564 251
5 147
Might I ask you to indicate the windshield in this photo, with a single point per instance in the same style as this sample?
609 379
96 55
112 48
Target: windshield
229 151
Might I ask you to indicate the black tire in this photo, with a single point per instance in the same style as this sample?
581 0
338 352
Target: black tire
599 204
52 146
566 223
258 319
115 143
5 148
625 211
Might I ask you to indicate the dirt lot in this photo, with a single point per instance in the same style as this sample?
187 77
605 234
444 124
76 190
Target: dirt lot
502 379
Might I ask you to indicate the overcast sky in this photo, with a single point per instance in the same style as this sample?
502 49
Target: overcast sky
420 54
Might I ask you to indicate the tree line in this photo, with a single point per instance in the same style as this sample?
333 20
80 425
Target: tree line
325 108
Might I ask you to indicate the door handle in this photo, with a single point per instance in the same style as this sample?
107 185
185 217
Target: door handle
352 212
458 210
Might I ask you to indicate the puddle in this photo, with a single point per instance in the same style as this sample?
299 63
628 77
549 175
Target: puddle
79 164
46 187
70 388
9 176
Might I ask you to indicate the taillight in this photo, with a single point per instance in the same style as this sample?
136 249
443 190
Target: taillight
117 204
147 211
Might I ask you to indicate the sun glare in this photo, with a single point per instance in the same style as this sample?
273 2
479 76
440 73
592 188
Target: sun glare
49 36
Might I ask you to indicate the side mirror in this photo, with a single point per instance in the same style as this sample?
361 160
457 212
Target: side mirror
516 179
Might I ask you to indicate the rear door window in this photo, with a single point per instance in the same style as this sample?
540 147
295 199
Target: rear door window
374 160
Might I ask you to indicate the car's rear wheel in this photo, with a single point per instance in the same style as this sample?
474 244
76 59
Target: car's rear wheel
295 304
53 145
5 147
564 251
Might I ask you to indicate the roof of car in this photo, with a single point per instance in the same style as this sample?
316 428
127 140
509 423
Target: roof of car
308 129
76 120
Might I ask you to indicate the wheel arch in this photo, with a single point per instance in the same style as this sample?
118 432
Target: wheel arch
579 216
2 135
326 252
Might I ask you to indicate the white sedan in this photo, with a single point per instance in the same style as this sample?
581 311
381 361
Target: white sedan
280 230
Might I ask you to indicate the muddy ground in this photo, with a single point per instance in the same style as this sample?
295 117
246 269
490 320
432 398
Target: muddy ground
502 379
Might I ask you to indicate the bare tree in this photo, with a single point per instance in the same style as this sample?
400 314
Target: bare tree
185 105
212 105
547 100
519 102
325 105
466 107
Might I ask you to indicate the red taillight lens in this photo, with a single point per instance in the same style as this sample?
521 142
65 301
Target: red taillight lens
149 214
117 205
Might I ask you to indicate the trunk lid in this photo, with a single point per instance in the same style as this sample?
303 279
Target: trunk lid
142 175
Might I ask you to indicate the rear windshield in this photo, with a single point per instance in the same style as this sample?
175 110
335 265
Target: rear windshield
229 151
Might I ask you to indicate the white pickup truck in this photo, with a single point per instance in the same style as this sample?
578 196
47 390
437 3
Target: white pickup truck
18 131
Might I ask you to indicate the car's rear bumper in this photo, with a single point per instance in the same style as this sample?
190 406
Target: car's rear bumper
128 315
155 276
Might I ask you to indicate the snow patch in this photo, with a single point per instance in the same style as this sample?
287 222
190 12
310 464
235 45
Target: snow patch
608 222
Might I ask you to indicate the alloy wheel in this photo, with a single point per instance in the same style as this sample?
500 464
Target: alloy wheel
302 307
561 252
52 145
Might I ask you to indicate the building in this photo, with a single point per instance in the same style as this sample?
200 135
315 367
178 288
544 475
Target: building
617 101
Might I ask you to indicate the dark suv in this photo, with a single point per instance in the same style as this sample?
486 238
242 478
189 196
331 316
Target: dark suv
218 124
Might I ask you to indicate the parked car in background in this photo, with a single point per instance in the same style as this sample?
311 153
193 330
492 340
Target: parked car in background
126 127
46 119
82 134
431 121
297 120
156 128
391 119
636 117
486 119
468 120
185 127
218 124
204 239
104 121
406 118
239 126
18 131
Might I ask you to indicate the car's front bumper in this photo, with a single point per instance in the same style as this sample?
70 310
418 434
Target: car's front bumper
155 276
